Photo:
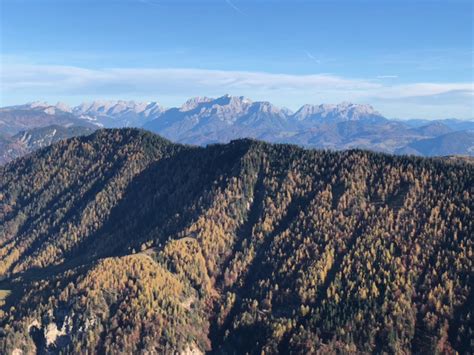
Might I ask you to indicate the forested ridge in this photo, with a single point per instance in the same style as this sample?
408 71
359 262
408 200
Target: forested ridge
123 242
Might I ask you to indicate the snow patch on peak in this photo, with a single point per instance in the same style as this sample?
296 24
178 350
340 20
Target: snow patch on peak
194 102
235 102
344 111
98 106
119 113
63 107
36 104
50 110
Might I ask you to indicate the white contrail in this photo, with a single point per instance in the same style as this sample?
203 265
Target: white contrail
312 57
235 7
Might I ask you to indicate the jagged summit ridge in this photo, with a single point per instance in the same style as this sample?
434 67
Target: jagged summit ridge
226 108
116 107
344 111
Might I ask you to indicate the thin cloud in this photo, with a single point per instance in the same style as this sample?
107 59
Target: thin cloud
58 81
387 76
150 2
233 6
451 97
22 76
403 91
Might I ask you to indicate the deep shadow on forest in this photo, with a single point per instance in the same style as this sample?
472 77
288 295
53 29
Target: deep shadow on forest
123 242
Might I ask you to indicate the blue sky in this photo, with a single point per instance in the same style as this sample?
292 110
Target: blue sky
406 58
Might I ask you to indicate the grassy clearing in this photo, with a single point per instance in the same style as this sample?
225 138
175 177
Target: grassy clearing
4 294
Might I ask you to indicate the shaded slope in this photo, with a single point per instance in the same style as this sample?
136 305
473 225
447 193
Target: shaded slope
454 143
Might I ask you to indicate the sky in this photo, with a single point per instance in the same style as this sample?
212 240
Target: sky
408 59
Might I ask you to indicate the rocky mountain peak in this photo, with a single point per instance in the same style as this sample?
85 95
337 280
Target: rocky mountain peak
344 111
63 107
194 102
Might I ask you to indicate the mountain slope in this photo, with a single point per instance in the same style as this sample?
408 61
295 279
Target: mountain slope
224 118
205 120
19 118
130 243
344 126
453 143
30 140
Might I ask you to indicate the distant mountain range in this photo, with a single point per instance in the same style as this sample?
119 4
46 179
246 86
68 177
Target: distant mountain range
203 120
